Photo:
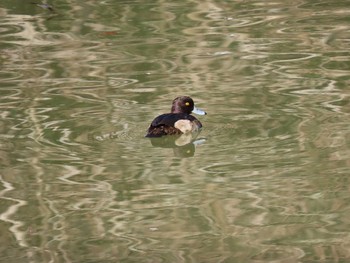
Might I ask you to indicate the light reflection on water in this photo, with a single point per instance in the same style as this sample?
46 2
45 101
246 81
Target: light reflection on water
267 180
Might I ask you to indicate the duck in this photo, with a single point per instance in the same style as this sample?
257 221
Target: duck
178 121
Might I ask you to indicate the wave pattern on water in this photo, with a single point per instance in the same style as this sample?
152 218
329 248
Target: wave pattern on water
78 90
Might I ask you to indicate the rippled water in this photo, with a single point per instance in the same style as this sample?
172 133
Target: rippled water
267 180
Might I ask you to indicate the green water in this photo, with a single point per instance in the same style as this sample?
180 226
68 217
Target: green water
267 179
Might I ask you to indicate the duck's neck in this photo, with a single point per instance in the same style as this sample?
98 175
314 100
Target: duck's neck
175 109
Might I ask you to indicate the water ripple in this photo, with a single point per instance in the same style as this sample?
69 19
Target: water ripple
77 93
7 216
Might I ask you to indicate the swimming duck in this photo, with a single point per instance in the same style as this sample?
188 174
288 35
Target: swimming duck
179 121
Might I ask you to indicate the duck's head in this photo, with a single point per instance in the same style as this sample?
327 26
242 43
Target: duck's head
185 104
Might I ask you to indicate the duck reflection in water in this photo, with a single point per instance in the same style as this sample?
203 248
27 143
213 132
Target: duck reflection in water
183 145
178 122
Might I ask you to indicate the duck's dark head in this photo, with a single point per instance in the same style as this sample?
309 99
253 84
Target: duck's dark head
185 104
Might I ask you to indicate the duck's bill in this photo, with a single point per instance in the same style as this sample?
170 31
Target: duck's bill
198 111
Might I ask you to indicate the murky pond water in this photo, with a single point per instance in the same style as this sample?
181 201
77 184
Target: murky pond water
267 179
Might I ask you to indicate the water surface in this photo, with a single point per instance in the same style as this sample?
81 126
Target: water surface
267 180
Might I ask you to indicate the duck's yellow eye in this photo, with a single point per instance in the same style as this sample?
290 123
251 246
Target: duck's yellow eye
187 104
